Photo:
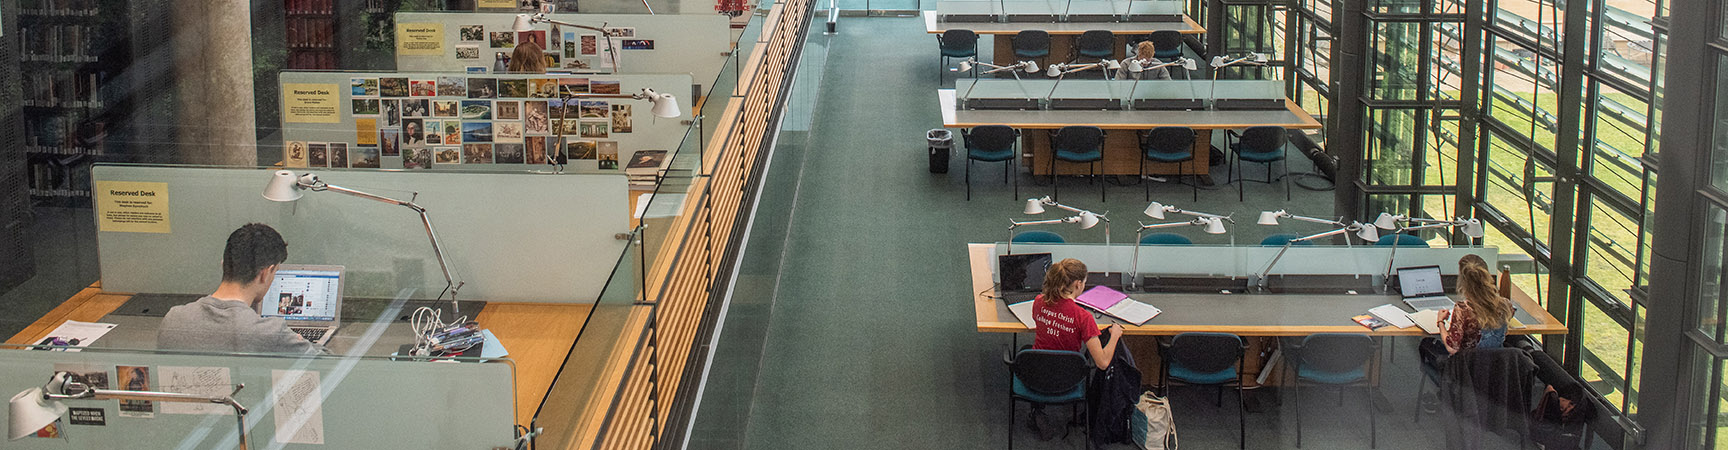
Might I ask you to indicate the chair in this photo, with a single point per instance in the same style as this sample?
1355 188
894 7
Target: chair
1095 44
991 143
1278 240
1398 239
1207 359
1165 239
1047 377
957 43
1334 359
1039 236
1485 392
1032 44
1168 145
1168 44
1076 144
1263 145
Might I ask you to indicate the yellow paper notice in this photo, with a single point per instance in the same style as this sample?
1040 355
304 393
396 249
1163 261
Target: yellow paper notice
365 131
508 4
311 103
132 206
420 39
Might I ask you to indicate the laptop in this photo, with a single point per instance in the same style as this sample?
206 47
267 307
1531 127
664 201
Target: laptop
308 297
1022 275
1422 288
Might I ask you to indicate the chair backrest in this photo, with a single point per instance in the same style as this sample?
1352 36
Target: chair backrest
959 39
1032 40
1401 240
1169 140
1039 236
1205 352
1165 239
1167 41
1050 371
1263 139
1336 352
1096 42
990 138
1079 139
1278 240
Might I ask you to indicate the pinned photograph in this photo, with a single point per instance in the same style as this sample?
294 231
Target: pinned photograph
623 32
513 88
534 149
552 59
583 149
503 39
543 87
621 121
445 108
433 134
473 33
366 131
317 154
555 110
413 133
507 110
482 88
422 88
595 129
579 63
474 69
417 158
507 131
637 44
535 119
390 140
608 155
469 51
604 87
392 111
570 50
570 127
416 108
363 87
393 87
596 109
294 154
507 153
452 132
590 45
572 86
476 132
477 109
95 377
477 153
447 155
538 37
134 378
364 157
365 106
338 155
452 86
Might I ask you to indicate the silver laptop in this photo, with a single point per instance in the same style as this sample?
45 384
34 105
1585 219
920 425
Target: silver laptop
309 298
1422 288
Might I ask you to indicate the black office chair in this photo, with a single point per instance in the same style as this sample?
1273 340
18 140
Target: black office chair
957 43
1032 45
1076 144
1334 359
1047 377
1263 145
1095 44
1168 44
1207 359
1168 145
991 143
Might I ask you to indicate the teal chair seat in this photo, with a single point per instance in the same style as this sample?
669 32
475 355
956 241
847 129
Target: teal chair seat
1169 157
1079 156
1278 240
1325 377
990 156
1188 375
1078 393
1039 236
1261 157
1165 239
1401 240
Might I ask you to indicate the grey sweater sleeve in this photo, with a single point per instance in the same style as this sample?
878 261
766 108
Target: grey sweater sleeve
218 325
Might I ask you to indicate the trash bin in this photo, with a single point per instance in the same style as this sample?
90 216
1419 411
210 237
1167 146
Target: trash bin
941 143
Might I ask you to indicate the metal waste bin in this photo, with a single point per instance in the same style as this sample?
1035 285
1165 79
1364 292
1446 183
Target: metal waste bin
941 143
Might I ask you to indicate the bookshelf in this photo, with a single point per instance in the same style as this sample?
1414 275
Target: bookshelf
311 34
69 52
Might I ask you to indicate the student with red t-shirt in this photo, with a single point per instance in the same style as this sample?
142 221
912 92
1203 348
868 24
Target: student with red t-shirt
1064 324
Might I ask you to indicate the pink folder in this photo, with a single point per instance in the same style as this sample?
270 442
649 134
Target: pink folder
1101 298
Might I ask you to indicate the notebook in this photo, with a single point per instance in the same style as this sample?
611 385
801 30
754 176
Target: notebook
1392 315
1023 311
1422 288
309 298
1116 304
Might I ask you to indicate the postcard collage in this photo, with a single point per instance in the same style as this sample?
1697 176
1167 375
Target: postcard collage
454 120
563 49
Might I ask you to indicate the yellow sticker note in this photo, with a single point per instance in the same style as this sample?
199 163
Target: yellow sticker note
365 131
425 39
132 206
311 103
506 4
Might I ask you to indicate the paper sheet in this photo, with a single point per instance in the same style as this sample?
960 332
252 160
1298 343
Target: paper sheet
1023 311
76 334
204 381
1392 314
1427 319
299 406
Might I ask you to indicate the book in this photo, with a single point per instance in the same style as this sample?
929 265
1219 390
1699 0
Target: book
1116 304
1368 320
1428 319
646 162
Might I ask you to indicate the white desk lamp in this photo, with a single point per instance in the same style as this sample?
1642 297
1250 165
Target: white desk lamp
1365 231
1086 219
1213 224
1028 66
285 187
38 407
1220 62
525 22
1388 221
1061 70
1133 65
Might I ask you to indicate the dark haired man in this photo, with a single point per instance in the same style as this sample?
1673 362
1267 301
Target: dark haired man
227 320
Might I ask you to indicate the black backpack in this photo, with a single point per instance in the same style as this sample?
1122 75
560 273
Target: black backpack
1114 392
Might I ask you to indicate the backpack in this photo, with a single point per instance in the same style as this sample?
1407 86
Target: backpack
1113 398
1153 427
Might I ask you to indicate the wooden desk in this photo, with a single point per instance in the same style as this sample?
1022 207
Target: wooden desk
1062 34
538 335
1121 143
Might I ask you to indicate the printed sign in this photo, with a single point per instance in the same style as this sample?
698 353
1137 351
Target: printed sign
311 103
89 416
420 39
132 206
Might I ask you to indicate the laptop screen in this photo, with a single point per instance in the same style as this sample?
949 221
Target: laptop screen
1023 272
304 294
1420 281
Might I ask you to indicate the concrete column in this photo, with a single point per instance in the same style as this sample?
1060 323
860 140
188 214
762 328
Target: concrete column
213 80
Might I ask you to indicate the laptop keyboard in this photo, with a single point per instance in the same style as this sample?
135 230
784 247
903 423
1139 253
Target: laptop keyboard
311 334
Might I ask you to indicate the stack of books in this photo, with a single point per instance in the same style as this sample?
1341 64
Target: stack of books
646 167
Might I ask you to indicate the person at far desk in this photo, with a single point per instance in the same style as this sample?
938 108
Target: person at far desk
1478 321
527 58
227 320
1143 52
1062 323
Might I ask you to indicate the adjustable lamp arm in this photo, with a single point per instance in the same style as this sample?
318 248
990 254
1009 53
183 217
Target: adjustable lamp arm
312 183
1070 219
1261 282
61 387
1196 222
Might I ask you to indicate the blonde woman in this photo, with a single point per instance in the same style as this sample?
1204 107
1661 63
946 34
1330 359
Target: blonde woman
527 58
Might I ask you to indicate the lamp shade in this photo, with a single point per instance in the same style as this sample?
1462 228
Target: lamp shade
1188 64
1367 233
966 66
1473 228
1088 220
1387 221
665 105
1261 58
1218 61
1268 218
1055 70
1155 210
283 187
1112 64
523 23
1030 66
30 412
1034 206
1134 65
1214 225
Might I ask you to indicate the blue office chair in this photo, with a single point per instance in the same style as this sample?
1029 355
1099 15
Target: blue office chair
1278 240
1165 239
1399 239
1076 144
1033 45
1263 145
1047 377
1168 145
1207 359
957 43
1334 359
991 143
1095 44
1168 44
1039 237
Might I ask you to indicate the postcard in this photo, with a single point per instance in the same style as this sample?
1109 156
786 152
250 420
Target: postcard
317 154
482 88
476 132
413 133
364 157
535 119
477 109
473 33
604 87
595 129
422 88
452 86
477 153
621 121
595 109
507 153
503 39
507 110
447 155
417 158
583 149
393 87
365 106
363 87
444 108
467 51
513 88
507 131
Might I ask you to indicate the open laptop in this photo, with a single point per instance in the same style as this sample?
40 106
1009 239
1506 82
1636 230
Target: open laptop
308 297
1022 275
1422 288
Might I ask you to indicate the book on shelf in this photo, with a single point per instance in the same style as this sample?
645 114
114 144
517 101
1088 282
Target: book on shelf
647 162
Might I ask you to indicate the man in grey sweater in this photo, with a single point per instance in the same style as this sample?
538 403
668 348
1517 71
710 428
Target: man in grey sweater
227 320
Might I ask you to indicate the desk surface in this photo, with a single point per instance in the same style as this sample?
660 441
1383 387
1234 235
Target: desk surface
1241 314
1186 26
1291 117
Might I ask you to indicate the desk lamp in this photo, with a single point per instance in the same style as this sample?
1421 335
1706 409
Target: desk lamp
1028 66
1061 70
285 187
1387 221
1220 62
1365 231
37 407
525 22
1086 219
1213 224
1133 65
665 106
